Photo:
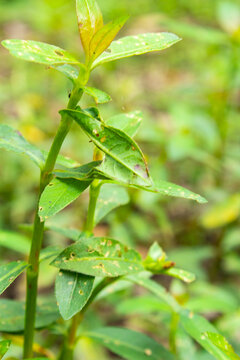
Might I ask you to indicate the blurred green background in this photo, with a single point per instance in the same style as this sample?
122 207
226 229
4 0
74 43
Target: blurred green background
190 99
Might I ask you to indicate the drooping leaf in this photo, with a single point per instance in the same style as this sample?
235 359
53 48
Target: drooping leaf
221 342
99 96
196 326
103 37
9 272
136 45
72 292
129 122
83 172
110 197
58 194
4 346
38 52
89 21
14 241
12 315
156 289
11 139
99 257
62 160
115 143
129 344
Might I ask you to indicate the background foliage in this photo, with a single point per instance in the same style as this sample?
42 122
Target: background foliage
189 96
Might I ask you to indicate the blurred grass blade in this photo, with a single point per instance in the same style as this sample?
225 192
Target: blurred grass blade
38 52
89 21
12 315
129 344
9 272
103 37
58 194
14 241
11 139
136 45
72 292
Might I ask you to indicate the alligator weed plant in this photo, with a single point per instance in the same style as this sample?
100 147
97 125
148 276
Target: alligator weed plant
91 264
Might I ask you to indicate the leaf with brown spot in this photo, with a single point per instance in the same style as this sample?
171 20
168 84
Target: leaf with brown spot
99 257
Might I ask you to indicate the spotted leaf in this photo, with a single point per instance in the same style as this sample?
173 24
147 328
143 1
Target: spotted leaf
221 343
103 37
99 257
89 21
72 292
9 272
38 52
129 344
136 45
115 143
199 328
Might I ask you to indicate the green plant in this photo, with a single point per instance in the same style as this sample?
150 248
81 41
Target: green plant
92 263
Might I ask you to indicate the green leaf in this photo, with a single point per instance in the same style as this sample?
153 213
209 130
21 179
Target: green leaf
11 139
129 122
9 272
156 289
103 37
72 292
73 234
129 344
12 315
62 160
99 257
14 241
58 194
99 96
119 174
146 304
222 343
136 45
196 326
38 52
69 71
183 275
115 143
83 172
49 252
4 346
89 21
111 196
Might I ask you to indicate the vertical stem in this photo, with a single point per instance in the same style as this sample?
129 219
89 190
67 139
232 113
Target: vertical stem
93 196
173 330
33 269
68 347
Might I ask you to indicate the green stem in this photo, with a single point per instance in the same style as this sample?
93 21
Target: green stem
33 269
93 196
173 331
68 347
